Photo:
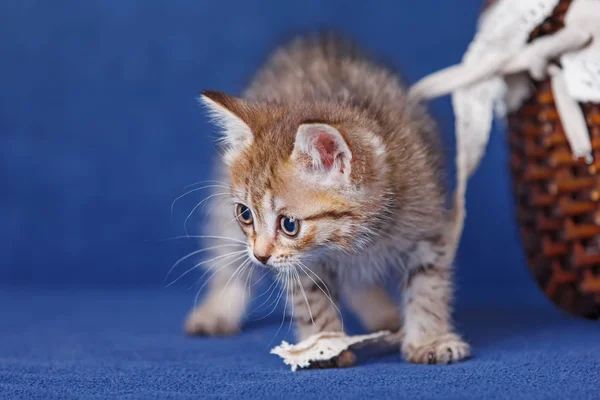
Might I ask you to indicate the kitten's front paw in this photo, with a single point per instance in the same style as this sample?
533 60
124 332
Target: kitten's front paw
445 349
206 321
344 360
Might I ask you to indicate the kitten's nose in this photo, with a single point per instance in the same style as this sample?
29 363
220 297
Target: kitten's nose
262 259
263 246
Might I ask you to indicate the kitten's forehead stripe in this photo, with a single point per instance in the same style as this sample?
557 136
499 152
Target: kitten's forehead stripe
331 214
308 237
255 200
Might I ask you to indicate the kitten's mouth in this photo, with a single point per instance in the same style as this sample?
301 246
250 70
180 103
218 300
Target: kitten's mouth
264 262
270 262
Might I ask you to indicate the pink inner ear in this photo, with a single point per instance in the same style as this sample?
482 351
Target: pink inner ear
326 146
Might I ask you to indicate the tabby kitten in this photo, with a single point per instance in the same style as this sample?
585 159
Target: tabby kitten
328 167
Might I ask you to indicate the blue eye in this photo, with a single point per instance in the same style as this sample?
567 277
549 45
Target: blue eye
243 214
290 226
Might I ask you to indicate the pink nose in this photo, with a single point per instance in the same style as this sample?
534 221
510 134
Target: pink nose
262 259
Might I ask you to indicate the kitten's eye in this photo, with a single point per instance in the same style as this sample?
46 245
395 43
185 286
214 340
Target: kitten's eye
243 214
289 226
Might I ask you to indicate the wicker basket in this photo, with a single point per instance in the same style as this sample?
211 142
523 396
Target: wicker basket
557 197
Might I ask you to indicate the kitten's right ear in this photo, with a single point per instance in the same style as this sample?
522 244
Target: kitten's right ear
231 115
321 151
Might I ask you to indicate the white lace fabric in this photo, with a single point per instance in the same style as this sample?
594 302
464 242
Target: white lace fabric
489 81
582 68
500 48
323 346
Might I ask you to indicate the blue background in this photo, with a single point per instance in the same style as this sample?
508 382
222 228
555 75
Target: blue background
100 131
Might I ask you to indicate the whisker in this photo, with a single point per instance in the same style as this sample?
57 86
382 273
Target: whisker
186 187
198 205
234 253
285 290
247 285
235 218
261 278
238 269
269 290
211 276
304 268
274 307
204 237
213 206
244 267
192 191
292 316
193 253
305 298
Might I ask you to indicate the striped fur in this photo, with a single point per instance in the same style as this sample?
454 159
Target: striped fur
326 136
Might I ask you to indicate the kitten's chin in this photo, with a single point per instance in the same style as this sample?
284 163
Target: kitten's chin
278 266
285 265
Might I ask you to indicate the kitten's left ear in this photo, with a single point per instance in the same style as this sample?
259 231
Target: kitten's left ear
322 152
231 115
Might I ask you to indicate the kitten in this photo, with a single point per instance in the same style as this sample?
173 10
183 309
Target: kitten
328 167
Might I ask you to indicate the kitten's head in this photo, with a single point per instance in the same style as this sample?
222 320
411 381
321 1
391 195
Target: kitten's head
308 180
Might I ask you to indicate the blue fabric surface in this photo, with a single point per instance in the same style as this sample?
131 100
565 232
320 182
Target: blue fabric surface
116 343
99 133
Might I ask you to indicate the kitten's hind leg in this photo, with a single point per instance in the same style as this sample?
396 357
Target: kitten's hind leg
224 306
376 309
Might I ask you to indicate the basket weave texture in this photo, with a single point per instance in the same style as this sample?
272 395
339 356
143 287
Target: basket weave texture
557 196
